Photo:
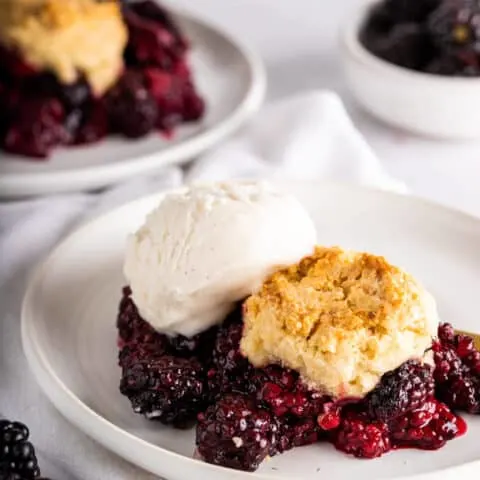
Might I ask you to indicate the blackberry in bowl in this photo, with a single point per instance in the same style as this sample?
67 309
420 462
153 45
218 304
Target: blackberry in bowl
414 64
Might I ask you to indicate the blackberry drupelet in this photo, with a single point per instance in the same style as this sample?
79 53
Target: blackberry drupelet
401 390
236 433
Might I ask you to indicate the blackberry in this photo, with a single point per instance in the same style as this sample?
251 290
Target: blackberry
456 24
154 40
294 432
415 11
133 329
401 390
283 392
17 455
168 389
131 108
154 12
94 123
75 95
406 45
230 370
236 433
143 340
457 370
36 126
360 437
428 428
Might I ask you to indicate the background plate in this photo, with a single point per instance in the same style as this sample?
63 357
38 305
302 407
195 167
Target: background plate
68 329
229 75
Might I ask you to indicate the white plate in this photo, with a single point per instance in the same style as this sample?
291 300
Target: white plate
229 75
68 328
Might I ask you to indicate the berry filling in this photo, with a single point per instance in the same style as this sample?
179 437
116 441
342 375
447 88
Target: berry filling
155 93
433 36
245 414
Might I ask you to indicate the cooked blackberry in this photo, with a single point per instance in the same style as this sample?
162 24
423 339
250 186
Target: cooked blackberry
131 108
428 428
294 432
200 345
401 390
76 94
282 391
93 125
236 433
135 332
36 126
151 41
17 455
168 389
457 370
132 328
153 11
360 437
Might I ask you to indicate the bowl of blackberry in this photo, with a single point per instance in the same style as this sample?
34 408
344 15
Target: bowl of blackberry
415 64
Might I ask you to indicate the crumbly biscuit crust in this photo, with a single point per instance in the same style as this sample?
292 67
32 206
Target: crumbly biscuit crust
341 318
67 37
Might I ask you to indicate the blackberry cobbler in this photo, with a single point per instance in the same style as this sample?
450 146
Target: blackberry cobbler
75 71
337 346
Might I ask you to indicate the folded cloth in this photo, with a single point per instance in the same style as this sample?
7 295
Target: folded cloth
308 136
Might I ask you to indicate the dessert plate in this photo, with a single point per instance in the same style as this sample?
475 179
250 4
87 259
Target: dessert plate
229 75
69 335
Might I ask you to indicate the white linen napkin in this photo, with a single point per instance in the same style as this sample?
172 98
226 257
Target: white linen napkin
307 136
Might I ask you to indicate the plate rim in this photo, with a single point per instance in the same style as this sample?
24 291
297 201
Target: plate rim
23 185
99 428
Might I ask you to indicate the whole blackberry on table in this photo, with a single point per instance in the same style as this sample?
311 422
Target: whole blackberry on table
17 455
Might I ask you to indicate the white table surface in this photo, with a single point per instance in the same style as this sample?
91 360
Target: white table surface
298 40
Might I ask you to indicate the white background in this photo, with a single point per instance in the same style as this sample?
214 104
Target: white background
298 39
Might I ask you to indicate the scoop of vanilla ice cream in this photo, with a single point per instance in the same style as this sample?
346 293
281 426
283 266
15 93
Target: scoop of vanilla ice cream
205 248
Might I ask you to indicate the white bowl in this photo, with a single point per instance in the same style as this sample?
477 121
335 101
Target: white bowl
427 104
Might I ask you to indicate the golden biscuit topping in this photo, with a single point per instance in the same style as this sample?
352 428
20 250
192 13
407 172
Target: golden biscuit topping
340 318
67 37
